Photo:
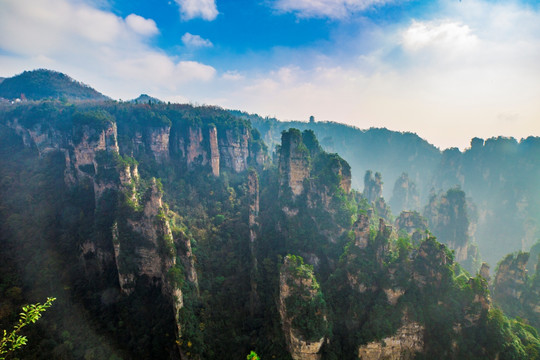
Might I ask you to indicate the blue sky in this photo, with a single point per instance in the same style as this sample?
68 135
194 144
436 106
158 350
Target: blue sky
448 70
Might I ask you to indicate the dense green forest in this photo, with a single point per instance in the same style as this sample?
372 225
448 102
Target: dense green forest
169 231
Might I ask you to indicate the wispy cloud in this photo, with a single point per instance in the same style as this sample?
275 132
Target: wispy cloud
195 41
204 9
334 9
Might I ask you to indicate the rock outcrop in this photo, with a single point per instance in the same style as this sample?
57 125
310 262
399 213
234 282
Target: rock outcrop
373 186
157 140
361 231
253 213
214 150
234 149
515 291
511 276
294 164
413 224
303 162
405 195
302 309
408 340
448 219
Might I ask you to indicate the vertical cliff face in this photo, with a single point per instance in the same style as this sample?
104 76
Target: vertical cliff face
448 217
373 186
253 213
195 152
405 195
515 291
408 340
214 150
157 140
234 148
302 309
412 223
293 161
301 158
87 141
357 265
220 148
511 277
361 231
431 260
44 138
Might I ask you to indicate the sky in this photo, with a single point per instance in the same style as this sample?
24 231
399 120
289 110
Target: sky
447 70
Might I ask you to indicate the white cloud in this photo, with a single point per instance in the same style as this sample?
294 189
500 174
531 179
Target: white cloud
471 72
445 35
94 46
191 9
195 41
141 25
334 9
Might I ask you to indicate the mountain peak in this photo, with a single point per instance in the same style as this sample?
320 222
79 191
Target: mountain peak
146 99
43 84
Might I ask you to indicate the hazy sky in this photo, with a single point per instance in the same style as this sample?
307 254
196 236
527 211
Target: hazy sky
448 70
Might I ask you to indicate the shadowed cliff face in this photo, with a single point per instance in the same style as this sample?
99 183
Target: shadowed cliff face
413 224
449 220
373 189
515 290
302 309
405 195
408 340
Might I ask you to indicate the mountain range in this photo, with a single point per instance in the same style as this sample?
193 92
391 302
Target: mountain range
172 231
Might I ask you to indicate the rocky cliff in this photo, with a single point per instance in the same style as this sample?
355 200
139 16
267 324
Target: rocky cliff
303 162
302 309
448 217
253 214
405 195
413 224
294 166
373 188
509 282
404 345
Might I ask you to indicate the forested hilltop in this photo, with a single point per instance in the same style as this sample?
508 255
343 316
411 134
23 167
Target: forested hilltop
170 231
499 176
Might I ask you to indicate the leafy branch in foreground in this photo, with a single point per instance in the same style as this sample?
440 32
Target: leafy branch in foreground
253 356
12 341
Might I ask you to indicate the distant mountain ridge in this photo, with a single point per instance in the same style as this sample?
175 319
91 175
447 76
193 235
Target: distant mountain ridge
44 84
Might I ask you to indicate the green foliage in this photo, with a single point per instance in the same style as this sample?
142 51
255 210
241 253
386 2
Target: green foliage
12 340
305 304
90 123
253 356
46 84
